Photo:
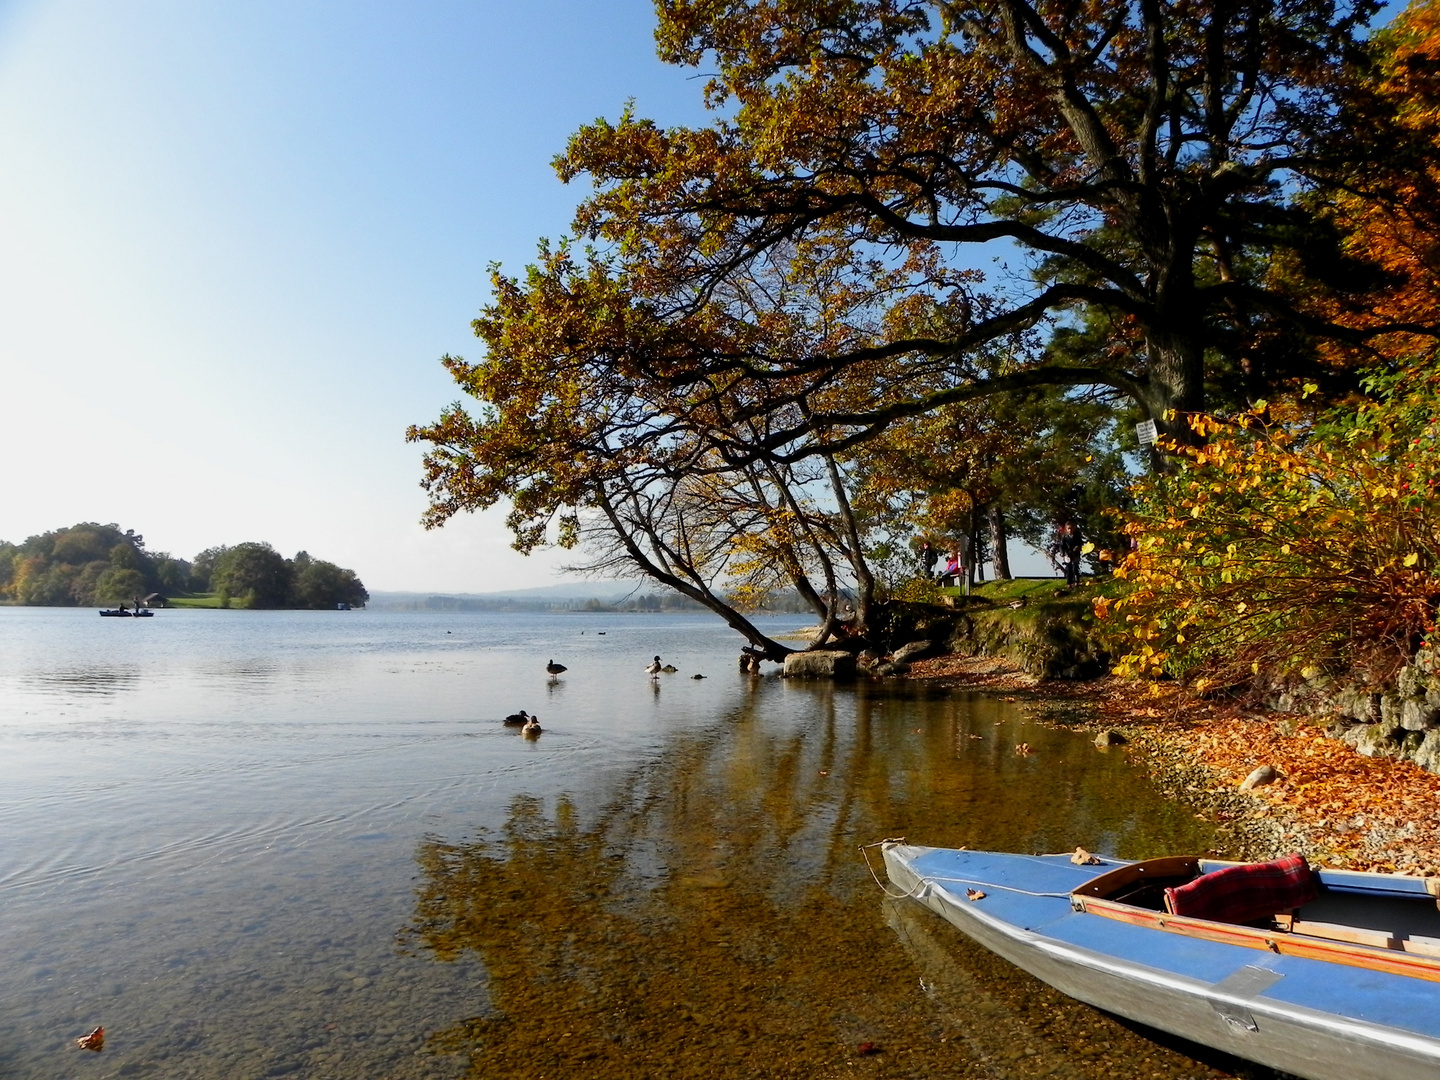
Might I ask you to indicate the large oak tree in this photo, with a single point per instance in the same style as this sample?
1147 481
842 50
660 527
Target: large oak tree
905 204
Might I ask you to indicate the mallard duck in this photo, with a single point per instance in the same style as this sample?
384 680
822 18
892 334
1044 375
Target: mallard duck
532 728
653 668
555 669
516 719
671 668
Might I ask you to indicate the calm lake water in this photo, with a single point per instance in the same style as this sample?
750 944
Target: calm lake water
256 844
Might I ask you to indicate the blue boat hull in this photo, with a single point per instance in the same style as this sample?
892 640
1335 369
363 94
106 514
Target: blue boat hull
1315 1019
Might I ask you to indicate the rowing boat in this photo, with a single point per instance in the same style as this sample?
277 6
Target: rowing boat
1325 974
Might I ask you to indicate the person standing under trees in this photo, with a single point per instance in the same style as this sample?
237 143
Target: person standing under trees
928 558
1067 550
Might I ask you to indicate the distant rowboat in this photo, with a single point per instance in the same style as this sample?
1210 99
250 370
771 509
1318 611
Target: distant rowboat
1338 980
121 613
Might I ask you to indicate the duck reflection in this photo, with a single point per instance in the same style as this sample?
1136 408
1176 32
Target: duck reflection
715 917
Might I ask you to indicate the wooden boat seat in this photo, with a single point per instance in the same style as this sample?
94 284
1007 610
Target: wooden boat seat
1381 937
1359 935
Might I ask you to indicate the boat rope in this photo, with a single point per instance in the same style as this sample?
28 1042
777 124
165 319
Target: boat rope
885 886
910 894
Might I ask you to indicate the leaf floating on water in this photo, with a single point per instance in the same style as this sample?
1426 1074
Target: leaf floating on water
94 1041
974 894
1084 858
1024 749
867 1048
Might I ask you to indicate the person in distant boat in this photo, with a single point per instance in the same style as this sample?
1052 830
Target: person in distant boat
555 669
654 668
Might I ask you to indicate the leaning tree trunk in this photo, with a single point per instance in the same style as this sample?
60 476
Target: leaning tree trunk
691 584
999 543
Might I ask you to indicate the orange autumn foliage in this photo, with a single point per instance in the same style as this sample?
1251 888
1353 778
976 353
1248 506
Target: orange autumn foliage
1398 232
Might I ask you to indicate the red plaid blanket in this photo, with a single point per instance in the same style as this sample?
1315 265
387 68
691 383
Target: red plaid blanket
1241 894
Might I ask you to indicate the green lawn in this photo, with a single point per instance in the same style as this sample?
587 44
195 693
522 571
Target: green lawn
199 600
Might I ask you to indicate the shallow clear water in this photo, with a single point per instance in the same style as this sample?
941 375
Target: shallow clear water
261 844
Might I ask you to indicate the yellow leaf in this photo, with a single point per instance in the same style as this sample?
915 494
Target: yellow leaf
1412 558
1088 547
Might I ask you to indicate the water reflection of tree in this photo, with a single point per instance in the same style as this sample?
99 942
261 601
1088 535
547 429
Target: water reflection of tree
714 918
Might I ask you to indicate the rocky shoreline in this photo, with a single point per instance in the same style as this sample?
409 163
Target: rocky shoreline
1337 807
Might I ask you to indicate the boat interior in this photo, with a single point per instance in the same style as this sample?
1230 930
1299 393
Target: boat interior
1363 919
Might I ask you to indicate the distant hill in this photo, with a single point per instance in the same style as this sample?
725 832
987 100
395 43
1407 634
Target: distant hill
573 595
567 596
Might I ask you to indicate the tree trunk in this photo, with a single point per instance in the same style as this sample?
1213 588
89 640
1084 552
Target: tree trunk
625 533
999 543
864 580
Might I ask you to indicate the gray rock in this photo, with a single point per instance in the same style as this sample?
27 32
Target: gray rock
1390 709
1376 740
1416 715
1110 737
822 664
867 659
1265 774
1428 755
892 669
913 650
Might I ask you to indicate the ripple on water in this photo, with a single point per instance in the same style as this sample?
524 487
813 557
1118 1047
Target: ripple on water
305 846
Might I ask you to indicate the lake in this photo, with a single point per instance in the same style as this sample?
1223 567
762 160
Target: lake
257 844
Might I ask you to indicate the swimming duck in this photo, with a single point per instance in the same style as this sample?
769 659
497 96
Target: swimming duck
653 669
555 669
671 668
697 675
516 719
532 728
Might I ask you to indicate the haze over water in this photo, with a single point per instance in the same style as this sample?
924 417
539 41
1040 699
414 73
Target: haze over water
259 844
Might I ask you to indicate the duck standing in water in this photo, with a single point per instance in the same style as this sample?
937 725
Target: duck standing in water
653 668
516 719
532 728
555 669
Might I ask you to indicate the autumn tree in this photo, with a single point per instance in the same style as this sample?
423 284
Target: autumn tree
1398 233
1291 549
1141 163
785 283
84 564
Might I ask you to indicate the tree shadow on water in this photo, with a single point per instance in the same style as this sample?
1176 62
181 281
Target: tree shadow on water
715 918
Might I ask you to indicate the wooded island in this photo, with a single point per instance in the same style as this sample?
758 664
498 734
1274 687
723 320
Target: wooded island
90 564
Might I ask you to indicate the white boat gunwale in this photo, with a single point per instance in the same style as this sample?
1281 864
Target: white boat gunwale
1309 1042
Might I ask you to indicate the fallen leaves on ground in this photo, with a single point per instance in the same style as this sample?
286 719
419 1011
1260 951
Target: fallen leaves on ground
1337 806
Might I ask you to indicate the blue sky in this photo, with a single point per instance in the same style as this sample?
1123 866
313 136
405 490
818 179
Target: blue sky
236 237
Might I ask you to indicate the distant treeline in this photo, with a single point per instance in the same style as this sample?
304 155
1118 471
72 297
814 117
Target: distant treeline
90 564
644 602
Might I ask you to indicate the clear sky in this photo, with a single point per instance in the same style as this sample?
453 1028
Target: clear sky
237 235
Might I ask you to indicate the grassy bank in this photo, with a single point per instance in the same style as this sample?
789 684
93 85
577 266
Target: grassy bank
199 600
